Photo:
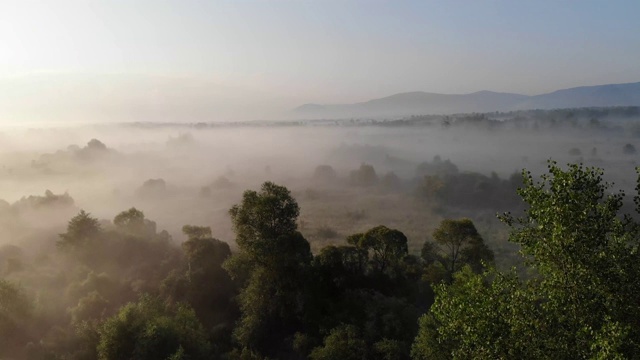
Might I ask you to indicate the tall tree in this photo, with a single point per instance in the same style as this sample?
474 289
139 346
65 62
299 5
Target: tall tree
133 222
81 230
457 243
387 247
270 267
264 215
581 302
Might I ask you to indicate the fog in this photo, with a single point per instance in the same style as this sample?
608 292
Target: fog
202 170
348 177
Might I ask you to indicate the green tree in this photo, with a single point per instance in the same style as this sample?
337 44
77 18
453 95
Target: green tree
206 286
580 302
586 253
344 342
482 316
264 215
151 329
15 311
387 247
81 230
270 267
457 243
133 222
197 232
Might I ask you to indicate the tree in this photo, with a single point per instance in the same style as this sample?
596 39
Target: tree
344 342
131 218
391 181
364 176
272 301
205 285
270 268
431 187
151 329
324 173
387 246
480 316
81 230
210 287
264 215
458 243
15 310
196 232
97 145
132 221
581 301
586 254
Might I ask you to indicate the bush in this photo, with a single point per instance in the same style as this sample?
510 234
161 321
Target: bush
629 149
324 173
575 152
364 176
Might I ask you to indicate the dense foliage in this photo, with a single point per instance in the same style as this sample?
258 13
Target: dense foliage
581 301
125 291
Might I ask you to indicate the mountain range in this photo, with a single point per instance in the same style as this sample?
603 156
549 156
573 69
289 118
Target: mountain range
422 103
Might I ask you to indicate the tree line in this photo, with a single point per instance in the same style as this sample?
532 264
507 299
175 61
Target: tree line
123 290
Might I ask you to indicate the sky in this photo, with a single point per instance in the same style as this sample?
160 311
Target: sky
129 59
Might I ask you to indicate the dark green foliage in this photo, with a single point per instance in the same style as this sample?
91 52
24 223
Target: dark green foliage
92 306
365 293
270 268
81 230
480 316
209 288
271 298
457 244
264 215
151 329
15 311
196 232
132 221
204 284
441 183
272 302
471 190
387 247
344 342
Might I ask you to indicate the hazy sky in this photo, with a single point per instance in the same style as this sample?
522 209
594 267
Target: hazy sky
282 53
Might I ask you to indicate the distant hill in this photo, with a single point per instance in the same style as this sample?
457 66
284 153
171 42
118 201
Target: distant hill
417 103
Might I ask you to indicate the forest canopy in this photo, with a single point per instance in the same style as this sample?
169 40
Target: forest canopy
121 289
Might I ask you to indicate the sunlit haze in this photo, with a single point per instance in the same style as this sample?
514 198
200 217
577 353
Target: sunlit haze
321 180
106 61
